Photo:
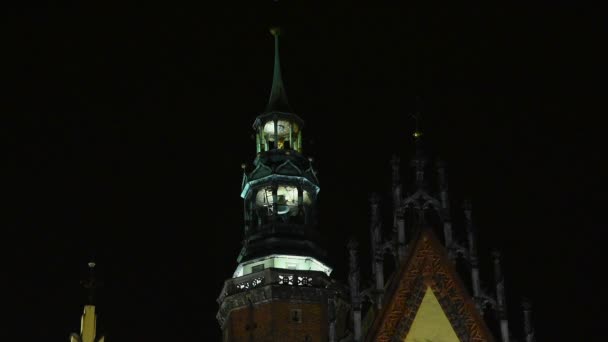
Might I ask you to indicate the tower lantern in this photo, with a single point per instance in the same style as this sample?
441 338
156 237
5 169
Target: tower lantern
278 127
281 288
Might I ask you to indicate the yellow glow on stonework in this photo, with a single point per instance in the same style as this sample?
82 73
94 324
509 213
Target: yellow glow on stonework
87 325
431 323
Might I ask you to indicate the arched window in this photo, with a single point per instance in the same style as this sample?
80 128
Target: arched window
286 136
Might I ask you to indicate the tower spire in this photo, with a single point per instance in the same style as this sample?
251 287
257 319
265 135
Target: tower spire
278 96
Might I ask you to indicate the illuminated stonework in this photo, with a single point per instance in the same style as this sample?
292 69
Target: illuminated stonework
431 323
288 262
88 326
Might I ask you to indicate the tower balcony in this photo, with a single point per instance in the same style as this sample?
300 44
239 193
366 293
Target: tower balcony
274 277
275 284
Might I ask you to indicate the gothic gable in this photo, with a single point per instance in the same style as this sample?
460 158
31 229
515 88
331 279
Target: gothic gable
427 267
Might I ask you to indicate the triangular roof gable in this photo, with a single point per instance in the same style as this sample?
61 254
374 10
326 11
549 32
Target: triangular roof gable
288 168
427 265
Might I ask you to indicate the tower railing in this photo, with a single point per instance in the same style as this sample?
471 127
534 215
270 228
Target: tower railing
274 276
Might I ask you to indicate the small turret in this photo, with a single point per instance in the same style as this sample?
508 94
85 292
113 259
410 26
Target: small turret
472 244
354 279
445 208
377 248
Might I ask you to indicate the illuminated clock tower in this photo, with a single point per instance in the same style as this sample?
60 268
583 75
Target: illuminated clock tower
281 289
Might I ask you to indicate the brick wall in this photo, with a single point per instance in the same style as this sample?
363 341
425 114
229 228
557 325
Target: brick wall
278 321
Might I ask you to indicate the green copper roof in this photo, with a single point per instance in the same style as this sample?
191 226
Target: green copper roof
278 97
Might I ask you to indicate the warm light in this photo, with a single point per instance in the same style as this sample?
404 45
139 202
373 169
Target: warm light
287 199
431 322
282 128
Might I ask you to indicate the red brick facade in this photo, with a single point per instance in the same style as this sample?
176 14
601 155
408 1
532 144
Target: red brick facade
280 320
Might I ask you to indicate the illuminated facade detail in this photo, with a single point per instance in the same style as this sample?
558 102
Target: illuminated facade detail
290 262
288 200
250 283
286 279
304 281
282 266
434 293
430 322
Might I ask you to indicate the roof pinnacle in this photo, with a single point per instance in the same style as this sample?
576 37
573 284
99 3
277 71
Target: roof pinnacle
278 96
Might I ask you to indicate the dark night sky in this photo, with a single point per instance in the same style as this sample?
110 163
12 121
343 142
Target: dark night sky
131 122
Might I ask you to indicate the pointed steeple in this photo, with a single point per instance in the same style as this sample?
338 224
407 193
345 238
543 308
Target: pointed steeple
278 96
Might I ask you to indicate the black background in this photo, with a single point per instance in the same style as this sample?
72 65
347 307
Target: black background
128 123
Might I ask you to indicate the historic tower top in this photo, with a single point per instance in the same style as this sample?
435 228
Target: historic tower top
281 289
281 191
278 127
